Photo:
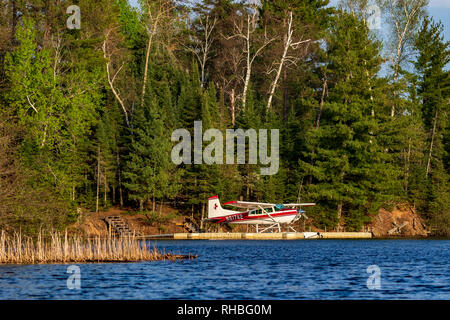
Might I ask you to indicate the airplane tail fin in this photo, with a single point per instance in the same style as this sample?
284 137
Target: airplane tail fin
215 209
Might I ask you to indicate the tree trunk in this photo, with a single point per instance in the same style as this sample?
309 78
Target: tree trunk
120 180
147 58
299 195
203 216
407 165
14 18
339 215
98 178
203 66
106 190
48 19
285 96
322 101
433 134
147 55
246 83
340 205
111 80
249 66
232 107
287 45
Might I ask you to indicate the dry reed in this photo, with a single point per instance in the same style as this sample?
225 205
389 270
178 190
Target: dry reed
17 249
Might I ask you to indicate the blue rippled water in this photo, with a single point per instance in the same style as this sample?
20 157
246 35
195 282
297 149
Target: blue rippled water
315 269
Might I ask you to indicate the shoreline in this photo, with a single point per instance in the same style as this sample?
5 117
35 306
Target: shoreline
281 236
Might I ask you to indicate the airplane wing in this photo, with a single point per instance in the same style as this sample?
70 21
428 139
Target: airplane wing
248 205
299 204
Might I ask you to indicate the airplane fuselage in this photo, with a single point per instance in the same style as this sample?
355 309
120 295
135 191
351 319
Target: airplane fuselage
258 213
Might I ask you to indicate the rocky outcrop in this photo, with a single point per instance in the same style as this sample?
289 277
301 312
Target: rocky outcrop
403 220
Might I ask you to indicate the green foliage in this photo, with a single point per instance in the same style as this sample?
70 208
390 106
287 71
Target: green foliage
433 91
153 218
347 165
65 93
150 173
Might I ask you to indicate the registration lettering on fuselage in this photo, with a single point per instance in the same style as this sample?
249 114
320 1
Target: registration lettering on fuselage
234 217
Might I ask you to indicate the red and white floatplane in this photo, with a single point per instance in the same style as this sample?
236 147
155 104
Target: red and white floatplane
269 215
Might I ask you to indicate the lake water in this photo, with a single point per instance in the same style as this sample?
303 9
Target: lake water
303 269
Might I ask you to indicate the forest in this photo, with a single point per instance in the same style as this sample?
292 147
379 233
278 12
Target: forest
87 114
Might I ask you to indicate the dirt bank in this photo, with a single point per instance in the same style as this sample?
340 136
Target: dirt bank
402 221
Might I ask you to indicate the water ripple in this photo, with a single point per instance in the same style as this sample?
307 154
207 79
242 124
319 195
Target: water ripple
330 269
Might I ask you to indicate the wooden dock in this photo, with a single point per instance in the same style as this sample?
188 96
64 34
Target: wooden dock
262 236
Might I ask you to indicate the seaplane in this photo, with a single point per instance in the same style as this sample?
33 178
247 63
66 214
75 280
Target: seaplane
269 215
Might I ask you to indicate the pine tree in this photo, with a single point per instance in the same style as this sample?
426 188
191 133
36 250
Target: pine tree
149 172
347 165
434 93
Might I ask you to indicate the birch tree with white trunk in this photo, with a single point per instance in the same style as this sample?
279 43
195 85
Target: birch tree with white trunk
286 58
404 17
157 17
202 43
112 71
157 12
253 43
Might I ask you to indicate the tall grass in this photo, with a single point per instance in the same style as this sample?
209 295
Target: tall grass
58 248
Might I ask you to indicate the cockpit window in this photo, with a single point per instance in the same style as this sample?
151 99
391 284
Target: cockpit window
255 212
279 207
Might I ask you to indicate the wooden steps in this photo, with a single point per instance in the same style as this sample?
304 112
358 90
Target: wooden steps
117 226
